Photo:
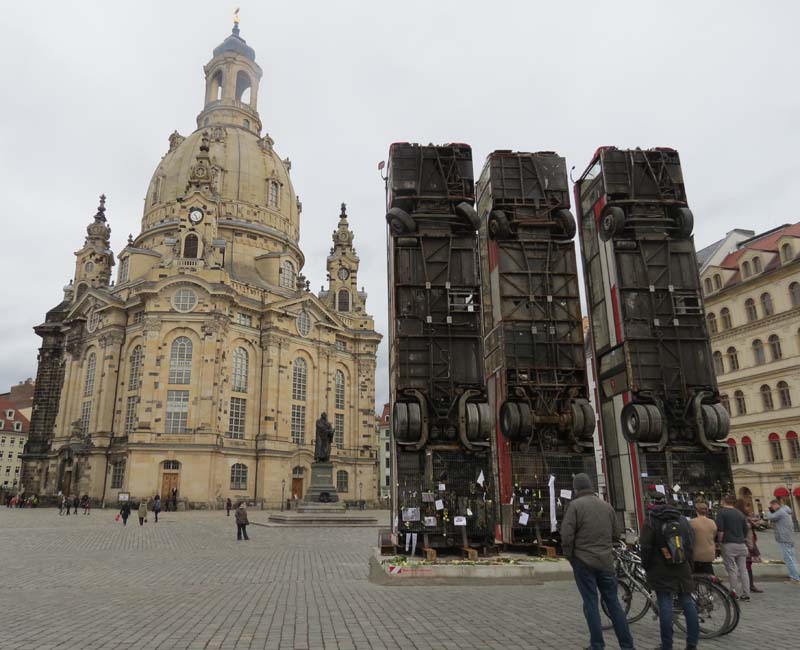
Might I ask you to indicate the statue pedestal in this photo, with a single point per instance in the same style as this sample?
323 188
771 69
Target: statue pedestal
322 488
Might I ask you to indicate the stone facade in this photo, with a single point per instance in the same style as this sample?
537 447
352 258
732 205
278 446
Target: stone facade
752 302
383 423
203 368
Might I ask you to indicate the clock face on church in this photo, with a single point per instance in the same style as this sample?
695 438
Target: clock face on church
195 215
343 273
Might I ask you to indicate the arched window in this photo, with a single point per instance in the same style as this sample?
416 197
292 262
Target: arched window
238 476
766 304
747 445
775 347
794 293
726 402
717 281
190 246
299 379
135 368
339 389
756 265
172 465
215 90
287 280
341 481
794 445
242 87
725 316
733 359
91 365
733 451
746 270
750 310
758 352
719 367
775 446
124 265
298 471
240 366
766 397
787 254
180 361
708 286
784 396
711 319
343 300
741 404
273 199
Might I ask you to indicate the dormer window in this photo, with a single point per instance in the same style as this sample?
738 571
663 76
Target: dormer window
287 275
787 254
709 288
756 265
717 281
746 270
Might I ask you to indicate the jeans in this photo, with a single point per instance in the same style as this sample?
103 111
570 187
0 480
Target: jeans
734 556
665 618
241 529
789 560
589 580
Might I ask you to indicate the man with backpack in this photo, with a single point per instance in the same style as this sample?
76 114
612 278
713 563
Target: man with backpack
667 544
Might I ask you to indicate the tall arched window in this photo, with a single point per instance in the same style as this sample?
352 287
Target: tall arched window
273 198
287 280
717 281
91 365
135 368
747 445
190 245
766 397
238 476
124 266
341 481
708 286
766 304
339 389
733 451
725 316
726 402
240 368
784 396
775 347
299 379
711 319
719 367
343 300
215 90
775 446
180 361
794 293
756 265
741 404
243 87
746 270
758 352
787 254
794 445
750 310
733 359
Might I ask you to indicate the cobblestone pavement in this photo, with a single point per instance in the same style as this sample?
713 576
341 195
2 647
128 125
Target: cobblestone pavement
86 582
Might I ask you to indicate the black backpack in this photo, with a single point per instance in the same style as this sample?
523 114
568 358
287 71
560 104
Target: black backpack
673 542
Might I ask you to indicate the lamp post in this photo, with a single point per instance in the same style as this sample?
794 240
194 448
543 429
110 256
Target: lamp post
283 491
360 495
789 478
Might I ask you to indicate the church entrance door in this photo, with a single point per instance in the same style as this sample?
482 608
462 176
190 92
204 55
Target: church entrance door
169 480
67 482
297 487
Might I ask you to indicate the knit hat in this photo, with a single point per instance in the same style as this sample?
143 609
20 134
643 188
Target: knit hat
582 482
656 496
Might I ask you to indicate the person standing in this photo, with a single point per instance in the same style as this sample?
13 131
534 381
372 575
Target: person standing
705 540
241 523
667 545
142 512
75 502
156 507
780 517
125 511
67 505
174 499
87 504
751 541
61 502
732 536
228 506
588 531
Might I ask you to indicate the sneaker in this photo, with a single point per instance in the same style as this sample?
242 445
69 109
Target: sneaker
744 598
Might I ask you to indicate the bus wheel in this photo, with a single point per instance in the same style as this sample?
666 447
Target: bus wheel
656 423
684 220
467 212
473 421
578 418
509 420
400 421
724 420
589 421
414 421
612 222
635 422
566 221
525 419
710 421
498 225
400 222
487 421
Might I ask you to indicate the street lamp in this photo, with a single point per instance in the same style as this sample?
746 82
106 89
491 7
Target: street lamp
360 499
788 478
283 491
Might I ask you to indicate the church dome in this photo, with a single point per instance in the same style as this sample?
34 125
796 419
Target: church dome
235 43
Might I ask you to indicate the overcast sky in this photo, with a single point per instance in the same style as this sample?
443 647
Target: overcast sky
91 91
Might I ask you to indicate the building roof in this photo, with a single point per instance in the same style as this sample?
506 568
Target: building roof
8 423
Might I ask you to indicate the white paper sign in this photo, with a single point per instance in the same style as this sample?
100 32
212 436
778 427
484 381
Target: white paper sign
551 488
441 487
481 479
523 519
469 512
439 504
565 494
413 543
691 503
460 521
676 488
676 497
660 489
644 474
430 521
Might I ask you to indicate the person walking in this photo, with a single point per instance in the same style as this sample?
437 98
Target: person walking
667 546
732 536
228 506
780 516
751 542
705 540
67 505
241 523
174 499
125 512
156 507
588 531
87 504
142 512
75 501
61 502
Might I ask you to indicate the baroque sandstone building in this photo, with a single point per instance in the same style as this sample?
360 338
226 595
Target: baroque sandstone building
205 365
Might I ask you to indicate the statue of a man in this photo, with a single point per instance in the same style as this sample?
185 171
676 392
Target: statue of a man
322 448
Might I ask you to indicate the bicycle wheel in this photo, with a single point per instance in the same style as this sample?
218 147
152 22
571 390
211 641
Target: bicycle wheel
713 609
625 596
641 601
732 603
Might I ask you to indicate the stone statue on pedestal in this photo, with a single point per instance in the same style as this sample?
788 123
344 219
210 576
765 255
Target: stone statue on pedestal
322 446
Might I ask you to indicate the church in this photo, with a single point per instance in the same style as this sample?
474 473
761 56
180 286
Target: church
200 368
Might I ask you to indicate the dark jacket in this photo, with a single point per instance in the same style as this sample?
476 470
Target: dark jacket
125 510
588 531
241 517
661 574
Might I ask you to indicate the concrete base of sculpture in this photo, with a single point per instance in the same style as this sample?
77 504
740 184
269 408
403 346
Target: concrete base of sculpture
322 488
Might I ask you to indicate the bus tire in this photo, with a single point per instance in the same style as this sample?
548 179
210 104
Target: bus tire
710 421
684 222
468 213
589 419
400 421
414 421
724 420
400 222
509 420
612 222
656 423
578 419
525 419
473 421
498 225
487 421
635 422
566 222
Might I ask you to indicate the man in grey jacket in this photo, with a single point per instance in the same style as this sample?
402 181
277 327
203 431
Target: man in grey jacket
781 518
588 532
